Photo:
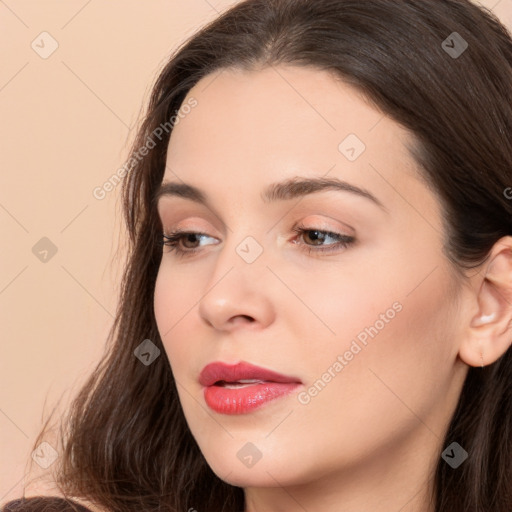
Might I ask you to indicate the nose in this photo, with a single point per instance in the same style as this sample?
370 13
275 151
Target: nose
239 294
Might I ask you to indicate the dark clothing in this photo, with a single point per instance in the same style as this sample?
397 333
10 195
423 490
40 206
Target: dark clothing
43 504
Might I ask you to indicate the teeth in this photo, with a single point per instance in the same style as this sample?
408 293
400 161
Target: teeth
240 384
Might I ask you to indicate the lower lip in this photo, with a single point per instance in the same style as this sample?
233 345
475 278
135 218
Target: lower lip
245 399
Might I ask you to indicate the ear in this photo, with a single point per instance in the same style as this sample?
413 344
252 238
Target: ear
489 333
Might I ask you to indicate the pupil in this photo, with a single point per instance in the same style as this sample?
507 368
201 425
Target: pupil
189 238
315 237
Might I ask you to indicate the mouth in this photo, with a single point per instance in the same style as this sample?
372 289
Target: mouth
242 388
219 373
239 384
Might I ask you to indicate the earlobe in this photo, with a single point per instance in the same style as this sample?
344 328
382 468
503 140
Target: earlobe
489 333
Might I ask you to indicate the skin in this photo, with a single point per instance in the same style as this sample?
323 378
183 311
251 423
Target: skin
370 439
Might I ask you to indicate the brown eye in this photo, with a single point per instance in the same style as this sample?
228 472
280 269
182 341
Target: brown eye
314 240
175 240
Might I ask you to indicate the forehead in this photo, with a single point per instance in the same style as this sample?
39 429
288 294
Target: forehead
277 122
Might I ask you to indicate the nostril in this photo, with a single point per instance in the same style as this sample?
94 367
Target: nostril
244 318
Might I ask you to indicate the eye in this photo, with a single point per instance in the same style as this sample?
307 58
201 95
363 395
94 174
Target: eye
317 236
176 240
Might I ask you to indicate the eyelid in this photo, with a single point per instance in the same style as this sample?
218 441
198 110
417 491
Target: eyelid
195 224
320 222
310 222
344 241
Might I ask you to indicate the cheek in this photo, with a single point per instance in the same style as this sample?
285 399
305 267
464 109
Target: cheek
386 387
173 300
396 325
342 303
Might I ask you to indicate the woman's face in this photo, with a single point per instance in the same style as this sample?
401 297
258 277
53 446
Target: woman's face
366 329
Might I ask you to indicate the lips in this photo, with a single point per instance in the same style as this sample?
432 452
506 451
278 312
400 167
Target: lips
241 388
217 373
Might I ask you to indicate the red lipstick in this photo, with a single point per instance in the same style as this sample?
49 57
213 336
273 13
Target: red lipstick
243 387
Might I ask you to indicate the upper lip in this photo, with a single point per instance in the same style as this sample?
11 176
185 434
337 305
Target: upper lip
219 371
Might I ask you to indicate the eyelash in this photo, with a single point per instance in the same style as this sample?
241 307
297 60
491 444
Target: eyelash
172 240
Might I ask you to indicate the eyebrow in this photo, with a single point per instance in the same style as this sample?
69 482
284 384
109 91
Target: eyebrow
281 191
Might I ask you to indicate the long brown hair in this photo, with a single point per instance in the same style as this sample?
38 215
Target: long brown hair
127 446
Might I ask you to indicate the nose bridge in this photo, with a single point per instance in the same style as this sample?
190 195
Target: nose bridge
237 285
245 239
243 254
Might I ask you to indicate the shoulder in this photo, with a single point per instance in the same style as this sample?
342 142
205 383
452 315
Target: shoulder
43 504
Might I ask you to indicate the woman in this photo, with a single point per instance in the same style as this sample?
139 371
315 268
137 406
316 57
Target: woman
341 338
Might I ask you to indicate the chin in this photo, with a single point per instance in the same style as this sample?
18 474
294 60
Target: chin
234 466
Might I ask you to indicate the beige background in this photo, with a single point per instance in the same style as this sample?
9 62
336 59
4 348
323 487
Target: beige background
66 122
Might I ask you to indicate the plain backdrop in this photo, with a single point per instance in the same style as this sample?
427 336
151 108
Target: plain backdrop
74 76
